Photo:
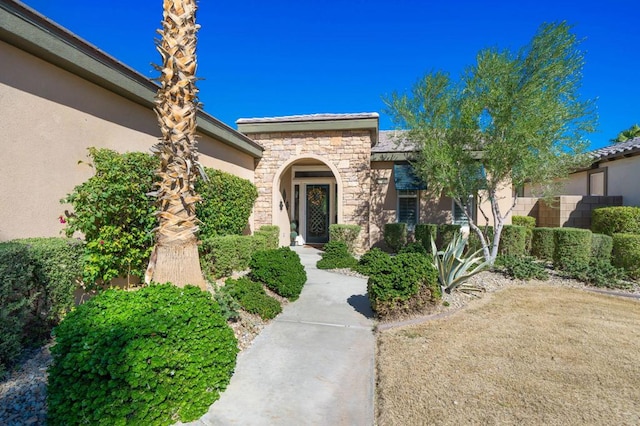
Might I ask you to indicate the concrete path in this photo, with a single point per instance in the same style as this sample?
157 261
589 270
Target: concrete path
313 365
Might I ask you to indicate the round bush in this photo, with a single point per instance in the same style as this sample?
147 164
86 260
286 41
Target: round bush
152 357
616 220
403 284
372 261
572 248
280 270
336 255
542 243
626 253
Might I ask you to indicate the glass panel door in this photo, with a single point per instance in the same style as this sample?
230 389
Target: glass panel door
317 220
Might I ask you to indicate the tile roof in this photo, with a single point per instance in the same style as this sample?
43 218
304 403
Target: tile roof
308 117
391 141
616 150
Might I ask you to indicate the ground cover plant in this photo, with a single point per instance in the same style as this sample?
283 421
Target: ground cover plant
529 355
152 356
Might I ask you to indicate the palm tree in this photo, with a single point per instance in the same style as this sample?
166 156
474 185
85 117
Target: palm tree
631 133
175 256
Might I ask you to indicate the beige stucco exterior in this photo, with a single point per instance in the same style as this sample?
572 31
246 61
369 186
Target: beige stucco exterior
49 117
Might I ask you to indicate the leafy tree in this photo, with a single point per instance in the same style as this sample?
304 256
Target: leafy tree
175 257
513 117
625 135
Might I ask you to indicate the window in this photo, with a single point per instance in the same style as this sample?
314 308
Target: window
408 207
597 181
459 218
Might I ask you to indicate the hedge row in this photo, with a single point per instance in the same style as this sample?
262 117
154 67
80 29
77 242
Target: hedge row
38 277
348 234
220 256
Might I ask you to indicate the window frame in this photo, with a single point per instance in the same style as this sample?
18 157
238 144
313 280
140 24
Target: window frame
604 172
404 194
465 222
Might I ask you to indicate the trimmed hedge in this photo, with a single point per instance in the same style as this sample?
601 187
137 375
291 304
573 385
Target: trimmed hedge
424 233
626 253
401 284
543 243
372 262
280 270
446 233
267 237
336 255
154 356
473 244
526 221
395 235
513 241
227 203
616 220
601 247
38 277
253 298
572 248
348 234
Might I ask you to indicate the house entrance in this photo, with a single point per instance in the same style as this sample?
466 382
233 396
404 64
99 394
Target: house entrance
317 219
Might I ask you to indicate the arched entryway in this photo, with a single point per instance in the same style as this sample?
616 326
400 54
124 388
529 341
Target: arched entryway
307 191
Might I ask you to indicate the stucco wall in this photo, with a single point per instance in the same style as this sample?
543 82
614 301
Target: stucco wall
48 119
346 152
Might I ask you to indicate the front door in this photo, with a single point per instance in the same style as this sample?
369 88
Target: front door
317 220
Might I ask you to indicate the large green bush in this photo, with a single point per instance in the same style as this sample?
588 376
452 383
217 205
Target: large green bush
115 214
38 277
336 255
572 248
348 234
626 253
372 261
227 203
446 233
395 235
280 270
424 232
220 256
405 283
149 357
543 243
253 298
513 241
616 220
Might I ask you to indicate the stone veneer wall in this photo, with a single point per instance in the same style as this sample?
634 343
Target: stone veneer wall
348 151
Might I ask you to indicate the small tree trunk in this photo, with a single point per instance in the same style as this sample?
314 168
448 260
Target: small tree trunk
178 264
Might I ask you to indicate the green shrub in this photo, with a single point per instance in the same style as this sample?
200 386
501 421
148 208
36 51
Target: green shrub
372 261
154 356
526 221
415 247
267 237
543 243
572 247
616 220
598 272
424 233
626 253
404 283
220 256
395 235
513 241
253 298
280 270
38 277
115 214
601 247
446 233
336 255
522 267
474 244
227 203
348 234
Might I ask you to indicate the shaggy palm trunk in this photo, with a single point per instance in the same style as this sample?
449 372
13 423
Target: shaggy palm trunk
175 257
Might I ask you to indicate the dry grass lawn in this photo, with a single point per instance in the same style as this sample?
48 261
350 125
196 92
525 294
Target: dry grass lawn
537 355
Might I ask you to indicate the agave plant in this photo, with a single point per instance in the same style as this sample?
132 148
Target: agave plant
454 268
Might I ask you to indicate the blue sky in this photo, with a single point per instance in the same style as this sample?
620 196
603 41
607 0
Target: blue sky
273 58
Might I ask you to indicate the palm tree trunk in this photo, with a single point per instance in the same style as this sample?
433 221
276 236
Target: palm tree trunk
175 258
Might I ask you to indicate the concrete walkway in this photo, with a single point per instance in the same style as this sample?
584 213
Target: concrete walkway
313 365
